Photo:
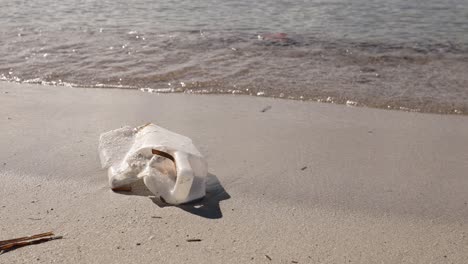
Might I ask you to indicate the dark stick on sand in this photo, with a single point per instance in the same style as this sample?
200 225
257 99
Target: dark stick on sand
10 244
266 109
194 240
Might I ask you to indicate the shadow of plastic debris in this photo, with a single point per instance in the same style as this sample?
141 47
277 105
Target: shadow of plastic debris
207 207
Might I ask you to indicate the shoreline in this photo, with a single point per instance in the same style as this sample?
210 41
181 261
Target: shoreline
325 100
305 182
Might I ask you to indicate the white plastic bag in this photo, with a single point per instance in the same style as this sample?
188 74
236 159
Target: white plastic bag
169 164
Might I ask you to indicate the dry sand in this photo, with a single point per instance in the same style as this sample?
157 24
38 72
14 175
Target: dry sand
300 182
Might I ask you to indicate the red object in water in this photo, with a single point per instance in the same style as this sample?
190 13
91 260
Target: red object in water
274 37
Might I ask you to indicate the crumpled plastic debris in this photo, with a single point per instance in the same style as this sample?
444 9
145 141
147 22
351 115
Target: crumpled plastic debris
170 165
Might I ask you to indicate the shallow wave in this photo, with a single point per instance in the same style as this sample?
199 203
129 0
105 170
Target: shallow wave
409 76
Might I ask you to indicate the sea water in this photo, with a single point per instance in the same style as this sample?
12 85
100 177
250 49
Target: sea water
399 54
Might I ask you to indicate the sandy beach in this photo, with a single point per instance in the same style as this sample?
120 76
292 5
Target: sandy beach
290 181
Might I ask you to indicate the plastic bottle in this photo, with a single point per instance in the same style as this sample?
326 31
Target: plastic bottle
169 164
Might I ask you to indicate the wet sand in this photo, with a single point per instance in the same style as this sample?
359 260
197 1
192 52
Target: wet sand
289 181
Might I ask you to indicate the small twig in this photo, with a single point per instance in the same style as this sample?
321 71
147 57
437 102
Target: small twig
266 109
194 240
10 244
7 247
28 243
4 242
268 257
